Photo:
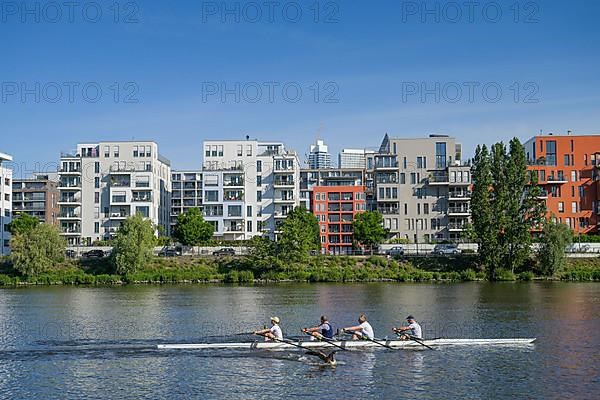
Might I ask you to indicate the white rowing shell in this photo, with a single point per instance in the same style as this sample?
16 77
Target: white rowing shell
350 344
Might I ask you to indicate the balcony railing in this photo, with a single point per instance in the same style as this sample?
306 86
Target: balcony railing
459 210
460 195
456 225
439 179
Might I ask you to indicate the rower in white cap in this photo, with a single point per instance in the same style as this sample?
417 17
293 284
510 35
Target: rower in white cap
272 333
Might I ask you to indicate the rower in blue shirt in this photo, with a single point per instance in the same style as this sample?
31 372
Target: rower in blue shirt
323 330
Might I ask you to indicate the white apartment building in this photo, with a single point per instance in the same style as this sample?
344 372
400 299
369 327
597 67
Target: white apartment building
186 193
352 158
5 203
101 184
319 156
248 187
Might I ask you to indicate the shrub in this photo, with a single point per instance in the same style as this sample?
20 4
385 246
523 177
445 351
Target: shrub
502 274
468 275
526 276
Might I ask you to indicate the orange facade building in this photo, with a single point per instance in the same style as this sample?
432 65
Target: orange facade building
568 169
335 208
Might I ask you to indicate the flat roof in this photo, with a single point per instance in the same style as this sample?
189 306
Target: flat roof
5 157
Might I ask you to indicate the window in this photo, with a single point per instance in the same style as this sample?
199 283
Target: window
207 151
402 178
248 226
96 227
574 207
573 176
561 206
258 195
572 191
249 150
240 150
572 145
259 180
96 197
426 208
418 209
419 162
135 151
97 167
566 159
97 182
144 210
542 175
440 155
413 178
581 191
234 211
213 150
116 151
106 151
550 152
404 163
405 209
211 195
7 212
248 211
259 166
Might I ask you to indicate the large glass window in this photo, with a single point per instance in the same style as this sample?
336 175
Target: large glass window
440 155
550 152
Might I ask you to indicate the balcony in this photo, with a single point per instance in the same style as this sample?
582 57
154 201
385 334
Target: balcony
543 195
65 185
285 199
70 229
389 211
144 199
120 215
70 171
118 199
69 215
233 196
234 229
456 226
457 196
556 179
69 200
466 211
120 183
130 168
438 179
284 182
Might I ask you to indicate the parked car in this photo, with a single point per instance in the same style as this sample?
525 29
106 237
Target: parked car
94 254
395 251
446 249
169 252
578 248
225 251
70 253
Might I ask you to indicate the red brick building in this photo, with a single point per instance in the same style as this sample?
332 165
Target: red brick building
335 208
568 169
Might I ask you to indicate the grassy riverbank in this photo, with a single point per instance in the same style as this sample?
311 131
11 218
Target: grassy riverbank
317 269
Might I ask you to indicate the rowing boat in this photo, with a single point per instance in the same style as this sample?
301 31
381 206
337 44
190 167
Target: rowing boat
350 344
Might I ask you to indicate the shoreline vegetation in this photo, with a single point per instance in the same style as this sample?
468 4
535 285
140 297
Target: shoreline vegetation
242 270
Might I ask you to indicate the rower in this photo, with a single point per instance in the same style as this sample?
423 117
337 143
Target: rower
324 330
272 333
363 329
412 330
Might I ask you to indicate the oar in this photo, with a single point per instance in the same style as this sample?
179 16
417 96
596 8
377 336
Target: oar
326 340
282 341
411 337
365 337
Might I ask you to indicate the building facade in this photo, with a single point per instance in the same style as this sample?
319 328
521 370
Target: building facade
413 180
567 169
249 187
5 203
319 156
37 197
352 158
101 184
335 208
186 193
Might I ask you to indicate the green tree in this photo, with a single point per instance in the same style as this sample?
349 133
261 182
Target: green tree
261 251
22 224
133 244
551 252
299 235
504 206
37 250
191 228
368 228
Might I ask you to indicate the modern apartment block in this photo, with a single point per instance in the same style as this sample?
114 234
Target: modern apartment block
38 197
335 208
352 158
186 193
101 184
5 203
249 186
319 156
310 178
567 167
421 188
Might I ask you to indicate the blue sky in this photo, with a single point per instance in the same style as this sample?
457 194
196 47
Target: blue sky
371 58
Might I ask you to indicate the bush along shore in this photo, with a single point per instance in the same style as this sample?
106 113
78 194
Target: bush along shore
315 269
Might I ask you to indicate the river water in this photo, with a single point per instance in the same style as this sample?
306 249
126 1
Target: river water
77 342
